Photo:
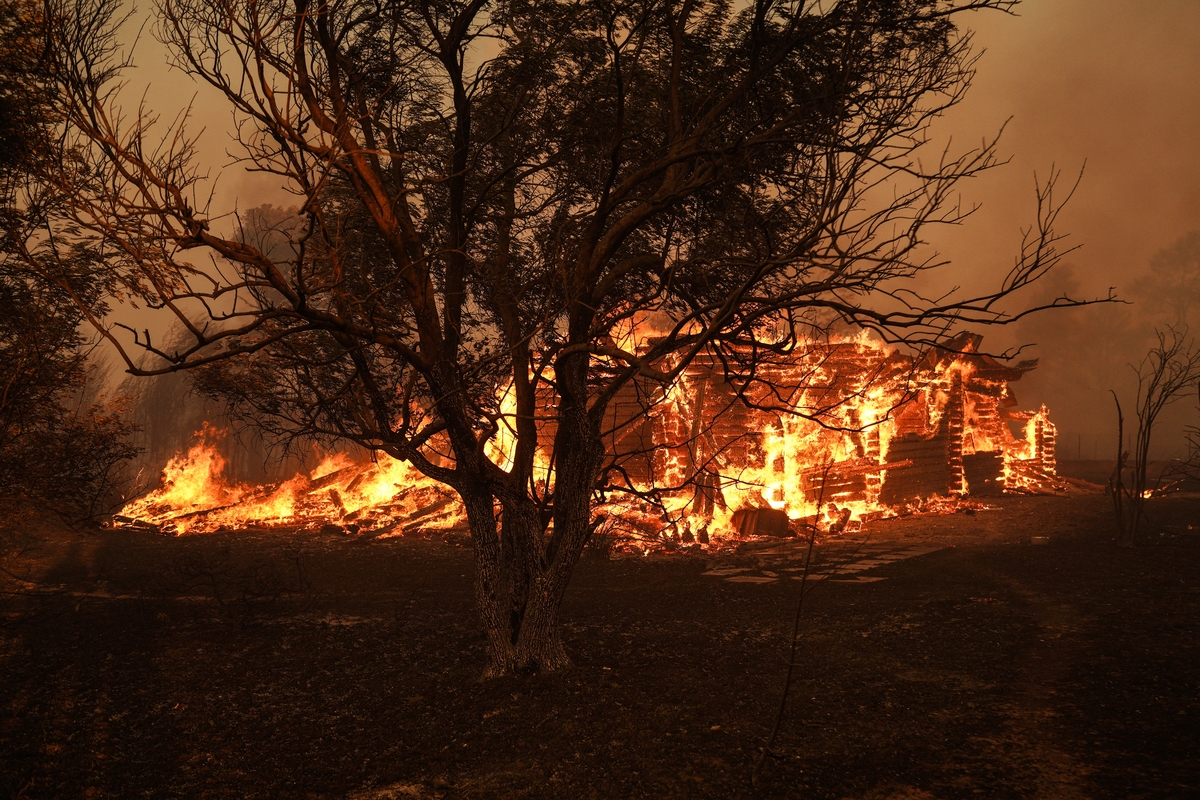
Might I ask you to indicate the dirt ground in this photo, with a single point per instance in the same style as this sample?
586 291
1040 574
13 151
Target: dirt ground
940 657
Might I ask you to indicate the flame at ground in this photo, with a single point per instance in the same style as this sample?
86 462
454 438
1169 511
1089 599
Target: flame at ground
191 482
852 421
382 495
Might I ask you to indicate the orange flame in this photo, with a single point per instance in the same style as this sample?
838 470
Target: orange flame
381 494
829 469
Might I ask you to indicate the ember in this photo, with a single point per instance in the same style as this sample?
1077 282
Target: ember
830 436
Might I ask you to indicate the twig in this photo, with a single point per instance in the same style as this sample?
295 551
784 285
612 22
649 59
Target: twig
756 773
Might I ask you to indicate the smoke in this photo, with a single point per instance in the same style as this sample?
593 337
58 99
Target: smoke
1106 83
1111 85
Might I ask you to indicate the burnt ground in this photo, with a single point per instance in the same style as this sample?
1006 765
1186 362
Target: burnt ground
273 665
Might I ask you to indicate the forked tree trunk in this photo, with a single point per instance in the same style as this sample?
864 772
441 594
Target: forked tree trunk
520 576
519 587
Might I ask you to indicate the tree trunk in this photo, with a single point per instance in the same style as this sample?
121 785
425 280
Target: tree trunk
518 596
520 577
1116 483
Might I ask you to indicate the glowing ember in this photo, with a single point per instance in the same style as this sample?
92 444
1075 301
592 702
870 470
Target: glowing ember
831 435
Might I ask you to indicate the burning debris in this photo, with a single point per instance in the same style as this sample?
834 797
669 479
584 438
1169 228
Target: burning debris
385 496
831 436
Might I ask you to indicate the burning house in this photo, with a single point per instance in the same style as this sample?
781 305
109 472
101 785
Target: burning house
844 431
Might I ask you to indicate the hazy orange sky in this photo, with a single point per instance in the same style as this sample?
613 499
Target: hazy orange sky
1112 83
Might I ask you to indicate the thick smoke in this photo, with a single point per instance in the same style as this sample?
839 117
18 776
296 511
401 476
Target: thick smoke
1113 85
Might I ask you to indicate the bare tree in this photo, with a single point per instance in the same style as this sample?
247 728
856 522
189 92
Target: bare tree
1167 374
515 212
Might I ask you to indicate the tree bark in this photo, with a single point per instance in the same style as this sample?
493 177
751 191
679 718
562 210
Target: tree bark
517 594
520 576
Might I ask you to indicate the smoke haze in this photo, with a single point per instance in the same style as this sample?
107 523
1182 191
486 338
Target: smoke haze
1115 85
1112 84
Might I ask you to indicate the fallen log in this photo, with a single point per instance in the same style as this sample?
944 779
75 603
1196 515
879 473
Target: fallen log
131 523
1088 486
334 477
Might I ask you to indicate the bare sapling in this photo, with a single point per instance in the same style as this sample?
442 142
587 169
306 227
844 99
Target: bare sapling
1167 374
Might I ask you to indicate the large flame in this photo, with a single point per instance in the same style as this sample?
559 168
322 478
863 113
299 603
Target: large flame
835 434
381 494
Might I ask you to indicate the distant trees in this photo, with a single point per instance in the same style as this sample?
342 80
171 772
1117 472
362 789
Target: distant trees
514 212
1173 283
61 445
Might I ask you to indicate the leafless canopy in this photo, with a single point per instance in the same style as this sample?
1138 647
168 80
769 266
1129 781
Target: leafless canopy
1169 373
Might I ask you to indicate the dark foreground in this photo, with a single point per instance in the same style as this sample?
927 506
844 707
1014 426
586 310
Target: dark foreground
259 665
